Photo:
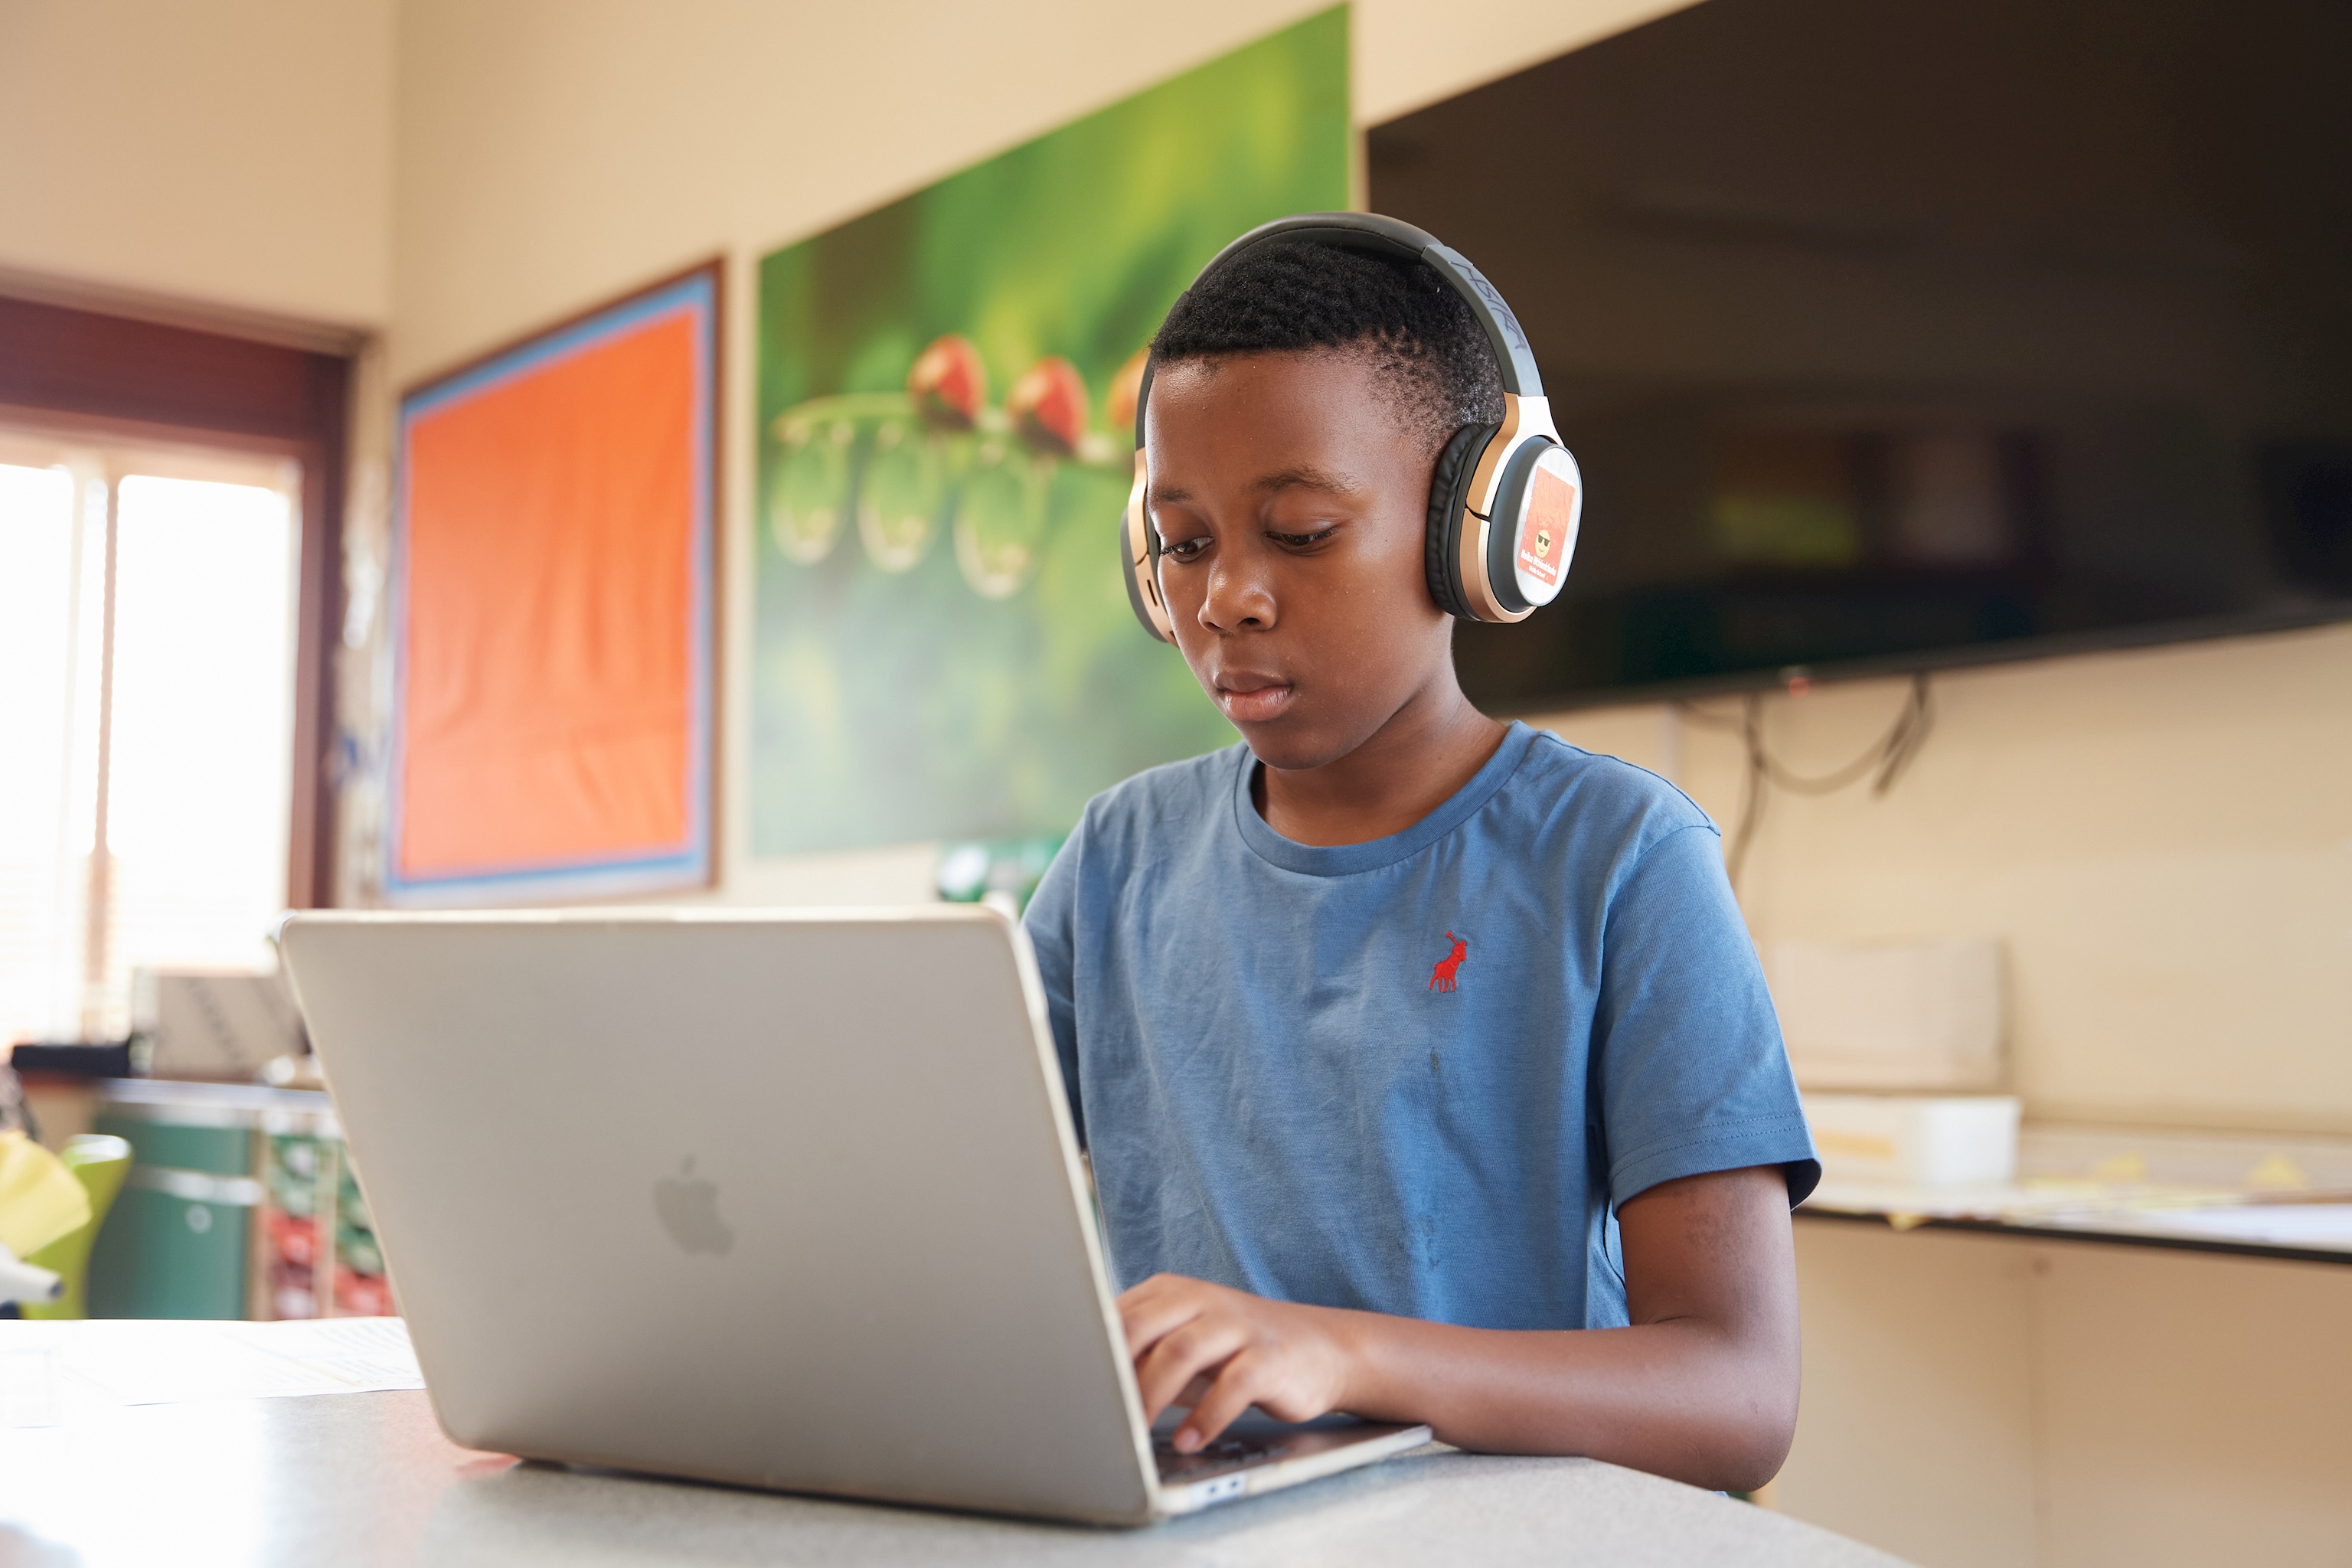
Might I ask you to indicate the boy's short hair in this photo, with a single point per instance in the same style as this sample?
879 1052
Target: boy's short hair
1426 349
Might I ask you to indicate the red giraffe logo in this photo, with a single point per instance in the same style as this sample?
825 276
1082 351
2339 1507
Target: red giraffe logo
1440 976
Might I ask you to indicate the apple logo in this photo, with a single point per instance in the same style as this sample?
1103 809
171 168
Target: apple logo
689 1207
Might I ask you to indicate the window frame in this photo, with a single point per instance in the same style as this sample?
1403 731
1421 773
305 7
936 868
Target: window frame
101 379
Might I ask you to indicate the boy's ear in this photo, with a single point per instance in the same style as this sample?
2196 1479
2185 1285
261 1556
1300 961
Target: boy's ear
1449 498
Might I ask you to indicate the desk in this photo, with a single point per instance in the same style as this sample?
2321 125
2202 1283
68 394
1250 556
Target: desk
367 1478
2278 1197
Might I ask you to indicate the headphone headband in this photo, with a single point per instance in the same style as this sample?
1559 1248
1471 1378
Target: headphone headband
1388 237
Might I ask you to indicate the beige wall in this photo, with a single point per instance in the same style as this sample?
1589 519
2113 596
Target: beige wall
2162 838
234 154
551 152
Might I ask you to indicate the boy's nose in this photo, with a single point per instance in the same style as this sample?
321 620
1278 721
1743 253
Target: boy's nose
1237 599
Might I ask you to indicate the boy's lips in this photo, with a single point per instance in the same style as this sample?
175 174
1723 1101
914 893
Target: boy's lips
1250 698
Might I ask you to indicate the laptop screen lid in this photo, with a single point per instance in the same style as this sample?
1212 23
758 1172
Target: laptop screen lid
791 1200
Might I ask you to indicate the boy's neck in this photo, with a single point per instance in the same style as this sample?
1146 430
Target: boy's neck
1411 765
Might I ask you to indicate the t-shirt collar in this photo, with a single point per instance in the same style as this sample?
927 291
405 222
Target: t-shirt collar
1346 859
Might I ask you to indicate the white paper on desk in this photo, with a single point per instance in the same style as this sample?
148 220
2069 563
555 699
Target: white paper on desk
364 1355
52 1373
29 1396
2267 1224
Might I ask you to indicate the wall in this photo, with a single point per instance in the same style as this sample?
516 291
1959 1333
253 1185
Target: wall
234 154
551 152
2162 838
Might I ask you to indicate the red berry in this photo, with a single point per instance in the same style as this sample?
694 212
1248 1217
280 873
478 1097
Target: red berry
1048 405
948 382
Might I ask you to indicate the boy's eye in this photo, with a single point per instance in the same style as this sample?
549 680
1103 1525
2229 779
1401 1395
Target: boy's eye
1183 549
1302 540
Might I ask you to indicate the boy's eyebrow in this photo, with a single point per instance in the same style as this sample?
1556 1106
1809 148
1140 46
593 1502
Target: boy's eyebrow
1306 477
1303 477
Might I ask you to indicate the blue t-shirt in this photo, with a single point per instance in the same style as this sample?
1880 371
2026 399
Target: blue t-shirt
1413 1076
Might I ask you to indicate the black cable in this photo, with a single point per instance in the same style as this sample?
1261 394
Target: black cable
1910 733
1888 758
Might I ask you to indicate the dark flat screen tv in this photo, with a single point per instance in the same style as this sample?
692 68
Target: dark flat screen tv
1898 334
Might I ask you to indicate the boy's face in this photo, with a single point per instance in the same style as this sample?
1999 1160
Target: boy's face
1292 503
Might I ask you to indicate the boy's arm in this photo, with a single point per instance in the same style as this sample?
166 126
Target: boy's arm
1701 1388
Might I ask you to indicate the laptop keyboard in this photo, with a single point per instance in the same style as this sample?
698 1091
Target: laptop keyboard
1231 1452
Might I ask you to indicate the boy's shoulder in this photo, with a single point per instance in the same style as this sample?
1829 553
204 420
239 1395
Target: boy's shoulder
1566 809
1179 794
1595 784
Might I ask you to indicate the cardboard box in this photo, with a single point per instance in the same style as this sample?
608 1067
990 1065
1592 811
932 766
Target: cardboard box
1898 1016
214 1024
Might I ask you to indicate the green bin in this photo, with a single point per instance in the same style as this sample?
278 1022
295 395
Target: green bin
178 1242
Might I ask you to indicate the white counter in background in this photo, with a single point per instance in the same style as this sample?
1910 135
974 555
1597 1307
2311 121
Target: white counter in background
2250 1193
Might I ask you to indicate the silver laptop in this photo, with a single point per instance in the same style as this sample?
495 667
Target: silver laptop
783 1200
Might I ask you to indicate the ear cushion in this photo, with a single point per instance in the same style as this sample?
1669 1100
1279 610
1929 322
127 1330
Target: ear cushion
1448 489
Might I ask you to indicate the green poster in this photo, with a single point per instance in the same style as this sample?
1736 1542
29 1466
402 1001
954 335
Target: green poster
942 647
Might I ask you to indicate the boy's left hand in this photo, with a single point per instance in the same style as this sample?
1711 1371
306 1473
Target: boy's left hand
1221 1350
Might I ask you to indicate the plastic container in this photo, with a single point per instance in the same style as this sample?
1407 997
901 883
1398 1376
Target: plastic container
1915 1140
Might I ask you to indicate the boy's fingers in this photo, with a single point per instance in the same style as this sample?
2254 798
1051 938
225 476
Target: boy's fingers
1158 1287
1169 1367
1142 1294
1166 1369
1162 1304
1149 1320
1235 1391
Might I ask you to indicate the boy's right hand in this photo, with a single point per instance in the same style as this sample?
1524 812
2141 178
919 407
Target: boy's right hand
1221 1350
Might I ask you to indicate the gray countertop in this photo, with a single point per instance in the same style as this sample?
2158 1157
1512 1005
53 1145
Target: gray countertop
367 1478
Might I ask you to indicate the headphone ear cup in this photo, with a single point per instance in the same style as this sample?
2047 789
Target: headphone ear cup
1138 563
1448 494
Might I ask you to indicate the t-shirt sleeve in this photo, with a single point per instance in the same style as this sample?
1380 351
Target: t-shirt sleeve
1693 1074
1050 922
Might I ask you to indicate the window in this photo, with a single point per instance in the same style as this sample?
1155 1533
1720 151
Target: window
147 636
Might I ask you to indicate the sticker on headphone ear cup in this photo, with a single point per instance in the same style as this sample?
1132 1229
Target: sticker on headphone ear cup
1548 523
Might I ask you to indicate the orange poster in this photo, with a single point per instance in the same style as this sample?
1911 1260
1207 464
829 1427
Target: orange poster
553 560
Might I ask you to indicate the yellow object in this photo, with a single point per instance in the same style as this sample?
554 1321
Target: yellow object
2121 1168
2277 1174
98 1164
1859 1145
39 1199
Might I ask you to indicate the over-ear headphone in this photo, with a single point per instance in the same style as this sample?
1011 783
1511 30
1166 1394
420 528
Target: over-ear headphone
1506 499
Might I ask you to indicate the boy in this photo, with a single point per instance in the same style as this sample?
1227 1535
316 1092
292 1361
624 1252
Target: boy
1423 1062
